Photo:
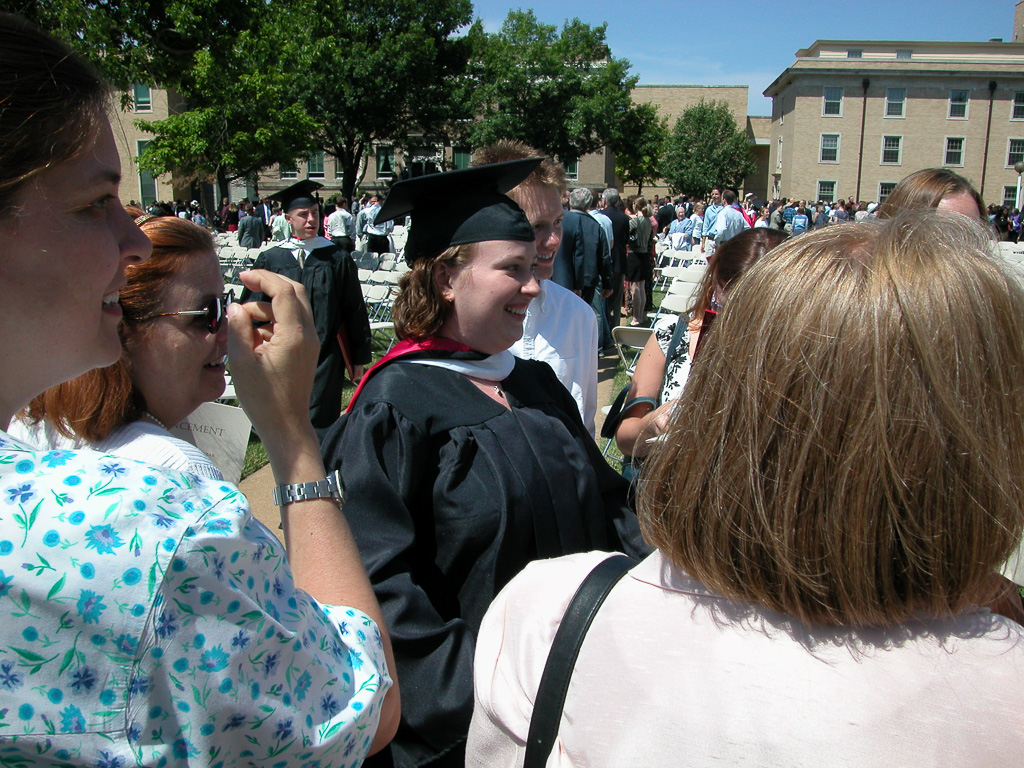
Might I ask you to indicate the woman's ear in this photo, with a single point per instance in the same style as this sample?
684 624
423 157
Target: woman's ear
443 280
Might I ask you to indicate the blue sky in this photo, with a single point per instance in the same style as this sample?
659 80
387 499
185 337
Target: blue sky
740 42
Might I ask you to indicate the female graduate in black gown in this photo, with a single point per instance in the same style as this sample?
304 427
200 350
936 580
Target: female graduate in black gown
461 463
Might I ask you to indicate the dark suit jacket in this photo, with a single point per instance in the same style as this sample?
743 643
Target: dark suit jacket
332 285
579 263
620 231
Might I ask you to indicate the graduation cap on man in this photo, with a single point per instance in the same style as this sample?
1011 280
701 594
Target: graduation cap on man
298 195
460 207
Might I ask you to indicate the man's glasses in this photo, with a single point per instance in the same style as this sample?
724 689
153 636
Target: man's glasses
214 312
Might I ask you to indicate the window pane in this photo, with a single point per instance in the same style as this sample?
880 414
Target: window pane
854 53
833 102
461 157
891 149
1010 196
958 103
955 151
315 166
826 191
894 99
385 162
904 53
572 170
1016 153
829 148
1018 105
143 98
147 184
289 171
885 189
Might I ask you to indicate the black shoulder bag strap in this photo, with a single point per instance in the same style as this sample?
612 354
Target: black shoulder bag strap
554 681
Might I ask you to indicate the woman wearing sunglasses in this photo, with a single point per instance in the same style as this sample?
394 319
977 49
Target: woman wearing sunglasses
173 340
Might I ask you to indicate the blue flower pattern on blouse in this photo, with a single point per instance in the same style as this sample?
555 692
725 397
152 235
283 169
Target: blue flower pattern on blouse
146 618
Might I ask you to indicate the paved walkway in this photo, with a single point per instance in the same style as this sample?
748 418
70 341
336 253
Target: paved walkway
258 485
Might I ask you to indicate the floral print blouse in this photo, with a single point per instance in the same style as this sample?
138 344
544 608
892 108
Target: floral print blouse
677 370
147 618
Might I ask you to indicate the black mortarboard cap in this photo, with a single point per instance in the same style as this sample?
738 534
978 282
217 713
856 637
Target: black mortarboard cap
298 195
460 207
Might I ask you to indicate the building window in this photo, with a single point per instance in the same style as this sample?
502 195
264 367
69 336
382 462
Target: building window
385 161
1015 152
855 53
1010 196
778 156
147 184
954 150
958 102
315 166
885 189
1018 106
892 150
826 191
832 103
142 97
904 53
289 171
572 170
829 152
895 102
461 157
339 172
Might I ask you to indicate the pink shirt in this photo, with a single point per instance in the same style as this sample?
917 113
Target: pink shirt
671 674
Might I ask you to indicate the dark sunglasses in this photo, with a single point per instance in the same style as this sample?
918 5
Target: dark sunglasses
214 312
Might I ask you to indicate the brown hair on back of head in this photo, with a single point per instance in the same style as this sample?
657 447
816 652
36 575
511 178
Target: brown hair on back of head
847 449
926 189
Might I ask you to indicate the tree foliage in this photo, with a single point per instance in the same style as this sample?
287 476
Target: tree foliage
144 41
378 71
241 118
562 93
639 145
707 148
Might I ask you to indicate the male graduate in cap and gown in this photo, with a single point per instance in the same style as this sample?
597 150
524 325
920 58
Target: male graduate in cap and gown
462 463
332 284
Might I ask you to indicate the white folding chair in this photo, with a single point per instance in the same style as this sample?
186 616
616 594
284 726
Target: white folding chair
631 340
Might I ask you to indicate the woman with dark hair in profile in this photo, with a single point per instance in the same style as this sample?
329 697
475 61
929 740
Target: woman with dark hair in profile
662 379
146 618
174 339
935 188
829 505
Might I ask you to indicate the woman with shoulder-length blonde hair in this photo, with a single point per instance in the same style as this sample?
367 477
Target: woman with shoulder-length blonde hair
829 507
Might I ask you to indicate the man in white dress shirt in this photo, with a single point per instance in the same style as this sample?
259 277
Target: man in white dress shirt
560 328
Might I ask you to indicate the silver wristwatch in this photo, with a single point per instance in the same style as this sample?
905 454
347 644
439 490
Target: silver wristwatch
329 488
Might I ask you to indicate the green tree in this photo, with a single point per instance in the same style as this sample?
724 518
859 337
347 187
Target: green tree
144 41
376 71
240 119
639 145
562 93
219 57
707 148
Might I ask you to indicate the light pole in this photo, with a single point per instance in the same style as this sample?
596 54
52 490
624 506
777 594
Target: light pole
1019 168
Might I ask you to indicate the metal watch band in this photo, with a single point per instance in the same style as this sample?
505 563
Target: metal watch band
330 487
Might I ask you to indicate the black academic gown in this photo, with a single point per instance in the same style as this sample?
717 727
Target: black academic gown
332 284
450 495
